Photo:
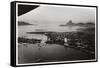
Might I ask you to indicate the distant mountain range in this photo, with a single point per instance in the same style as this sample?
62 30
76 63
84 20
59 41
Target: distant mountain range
21 23
70 23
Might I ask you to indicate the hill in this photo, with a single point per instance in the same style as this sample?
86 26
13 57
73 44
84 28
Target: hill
21 23
70 23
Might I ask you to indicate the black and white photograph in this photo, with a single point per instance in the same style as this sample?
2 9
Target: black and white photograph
50 33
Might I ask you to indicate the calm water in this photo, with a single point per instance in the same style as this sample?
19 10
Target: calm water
32 53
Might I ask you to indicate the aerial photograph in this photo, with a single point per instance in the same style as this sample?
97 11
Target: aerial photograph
50 33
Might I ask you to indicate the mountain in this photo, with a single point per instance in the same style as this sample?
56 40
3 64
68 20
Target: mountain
90 23
70 23
21 23
80 24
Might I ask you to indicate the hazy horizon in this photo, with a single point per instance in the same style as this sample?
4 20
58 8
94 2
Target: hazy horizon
49 15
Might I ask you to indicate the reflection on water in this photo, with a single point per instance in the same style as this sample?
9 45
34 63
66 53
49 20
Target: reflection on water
32 53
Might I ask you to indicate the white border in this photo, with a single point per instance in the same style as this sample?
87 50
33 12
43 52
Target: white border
59 61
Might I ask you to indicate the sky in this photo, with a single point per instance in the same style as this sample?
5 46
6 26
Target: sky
50 15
